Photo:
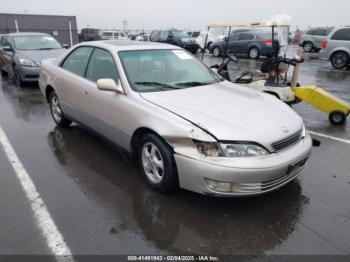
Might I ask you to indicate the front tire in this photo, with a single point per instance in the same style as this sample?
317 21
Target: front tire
340 60
56 111
337 117
253 53
17 76
158 164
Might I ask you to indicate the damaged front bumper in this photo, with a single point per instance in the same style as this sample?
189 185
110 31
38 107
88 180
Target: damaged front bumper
224 176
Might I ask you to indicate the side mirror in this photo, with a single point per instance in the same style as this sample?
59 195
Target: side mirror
65 46
7 48
108 84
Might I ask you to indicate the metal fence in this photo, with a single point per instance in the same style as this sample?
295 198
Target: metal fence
63 28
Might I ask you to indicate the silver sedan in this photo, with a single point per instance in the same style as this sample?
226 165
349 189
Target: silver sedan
188 127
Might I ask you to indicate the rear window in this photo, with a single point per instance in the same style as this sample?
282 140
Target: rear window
342 34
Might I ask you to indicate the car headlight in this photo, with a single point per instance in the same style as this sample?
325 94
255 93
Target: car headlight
207 148
230 150
27 62
303 132
243 150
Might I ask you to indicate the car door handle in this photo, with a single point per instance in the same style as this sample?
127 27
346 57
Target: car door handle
85 92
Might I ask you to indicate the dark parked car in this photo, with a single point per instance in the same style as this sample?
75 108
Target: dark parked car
90 34
253 43
175 37
21 54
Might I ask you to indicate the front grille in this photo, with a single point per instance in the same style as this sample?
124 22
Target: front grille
288 141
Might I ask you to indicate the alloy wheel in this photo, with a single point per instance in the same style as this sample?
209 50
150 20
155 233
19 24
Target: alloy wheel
339 60
152 162
56 109
308 47
216 51
253 53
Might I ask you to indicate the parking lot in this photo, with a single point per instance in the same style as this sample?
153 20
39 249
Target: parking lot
100 204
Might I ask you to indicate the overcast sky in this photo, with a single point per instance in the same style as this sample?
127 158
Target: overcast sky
192 14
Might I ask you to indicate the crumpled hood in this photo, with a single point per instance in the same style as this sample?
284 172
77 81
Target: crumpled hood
39 55
231 112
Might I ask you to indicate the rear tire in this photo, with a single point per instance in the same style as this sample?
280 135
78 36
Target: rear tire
337 117
158 164
217 51
253 53
308 47
56 111
340 60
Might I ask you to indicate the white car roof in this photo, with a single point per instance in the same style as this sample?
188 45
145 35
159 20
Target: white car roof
124 45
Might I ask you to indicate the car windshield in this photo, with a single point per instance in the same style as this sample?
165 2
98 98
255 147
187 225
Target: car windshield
180 34
36 42
158 70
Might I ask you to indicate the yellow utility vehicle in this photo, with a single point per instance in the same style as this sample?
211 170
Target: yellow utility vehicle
336 108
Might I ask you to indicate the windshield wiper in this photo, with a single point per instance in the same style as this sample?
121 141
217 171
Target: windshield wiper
158 84
46 48
194 83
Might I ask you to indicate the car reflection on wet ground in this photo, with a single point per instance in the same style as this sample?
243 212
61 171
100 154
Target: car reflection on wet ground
101 205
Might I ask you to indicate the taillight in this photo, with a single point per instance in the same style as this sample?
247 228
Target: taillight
324 44
267 42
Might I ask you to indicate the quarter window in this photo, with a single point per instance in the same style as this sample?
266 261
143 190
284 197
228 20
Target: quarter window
102 65
77 61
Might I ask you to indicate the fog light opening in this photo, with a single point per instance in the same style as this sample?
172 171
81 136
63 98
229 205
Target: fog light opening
219 186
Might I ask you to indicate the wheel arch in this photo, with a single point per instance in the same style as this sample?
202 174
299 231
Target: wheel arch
272 93
339 50
139 133
48 90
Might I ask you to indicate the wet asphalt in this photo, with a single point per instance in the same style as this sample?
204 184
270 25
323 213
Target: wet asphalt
101 205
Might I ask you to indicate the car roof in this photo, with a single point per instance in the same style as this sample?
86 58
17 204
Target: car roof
123 45
26 34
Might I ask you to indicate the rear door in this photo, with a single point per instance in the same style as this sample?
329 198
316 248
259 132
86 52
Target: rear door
233 43
70 82
244 41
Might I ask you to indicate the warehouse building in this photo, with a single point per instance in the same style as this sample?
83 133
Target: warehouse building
63 28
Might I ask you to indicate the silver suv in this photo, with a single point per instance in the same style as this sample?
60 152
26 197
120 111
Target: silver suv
336 48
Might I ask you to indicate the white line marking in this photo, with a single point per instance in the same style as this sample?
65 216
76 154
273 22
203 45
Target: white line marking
329 137
48 228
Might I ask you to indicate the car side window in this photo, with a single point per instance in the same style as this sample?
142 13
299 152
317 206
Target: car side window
342 34
234 37
4 41
102 65
77 61
246 36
